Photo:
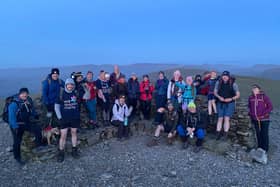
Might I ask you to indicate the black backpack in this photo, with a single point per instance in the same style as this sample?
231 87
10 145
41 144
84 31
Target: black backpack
5 114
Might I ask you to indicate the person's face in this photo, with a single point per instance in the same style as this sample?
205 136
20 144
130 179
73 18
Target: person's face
122 80
122 101
102 75
170 107
55 76
189 81
160 76
116 69
177 75
255 90
133 77
192 110
70 87
89 76
145 79
213 74
79 79
225 78
23 96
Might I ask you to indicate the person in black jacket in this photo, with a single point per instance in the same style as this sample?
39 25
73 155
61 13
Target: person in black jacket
68 112
133 93
161 90
193 124
120 88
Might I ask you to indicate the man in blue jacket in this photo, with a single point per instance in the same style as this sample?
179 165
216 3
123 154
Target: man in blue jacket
20 111
51 87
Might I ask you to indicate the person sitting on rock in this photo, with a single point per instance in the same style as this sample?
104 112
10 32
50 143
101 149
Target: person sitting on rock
260 108
120 117
20 111
227 92
68 112
193 124
189 92
146 95
168 124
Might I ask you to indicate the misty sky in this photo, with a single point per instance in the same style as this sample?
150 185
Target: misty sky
66 32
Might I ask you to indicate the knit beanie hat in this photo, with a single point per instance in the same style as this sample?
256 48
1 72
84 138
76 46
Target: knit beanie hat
23 90
55 71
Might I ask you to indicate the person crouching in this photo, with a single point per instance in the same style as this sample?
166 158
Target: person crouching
68 113
120 117
194 124
168 124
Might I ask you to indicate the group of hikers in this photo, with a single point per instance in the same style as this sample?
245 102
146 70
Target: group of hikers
120 101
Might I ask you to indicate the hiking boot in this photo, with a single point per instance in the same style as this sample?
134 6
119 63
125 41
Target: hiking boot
153 142
219 135
185 145
225 136
169 141
20 162
197 149
60 156
75 153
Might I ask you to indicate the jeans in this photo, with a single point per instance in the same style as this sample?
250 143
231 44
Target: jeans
18 134
262 133
91 106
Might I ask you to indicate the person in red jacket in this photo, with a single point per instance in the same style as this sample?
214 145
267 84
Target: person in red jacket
90 98
260 107
146 95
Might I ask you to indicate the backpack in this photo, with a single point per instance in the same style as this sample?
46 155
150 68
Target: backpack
5 114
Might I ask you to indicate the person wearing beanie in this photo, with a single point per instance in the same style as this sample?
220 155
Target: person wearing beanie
260 107
133 93
212 108
174 93
193 125
161 90
51 87
168 124
20 112
68 112
189 92
146 95
227 92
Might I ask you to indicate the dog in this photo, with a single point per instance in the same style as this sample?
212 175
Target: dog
49 133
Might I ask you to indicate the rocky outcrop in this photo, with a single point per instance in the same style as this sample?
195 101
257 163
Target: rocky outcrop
241 135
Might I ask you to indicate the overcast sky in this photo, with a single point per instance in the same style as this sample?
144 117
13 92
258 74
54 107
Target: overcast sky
65 32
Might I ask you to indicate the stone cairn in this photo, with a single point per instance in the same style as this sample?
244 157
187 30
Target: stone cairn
242 138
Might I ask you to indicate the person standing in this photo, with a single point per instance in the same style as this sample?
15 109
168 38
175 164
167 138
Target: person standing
174 93
161 90
114 77
20 111
146 95
133 92
68 112
260 108
51 87
227 92
90 98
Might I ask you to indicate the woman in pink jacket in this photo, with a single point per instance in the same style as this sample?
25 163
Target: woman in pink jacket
260 107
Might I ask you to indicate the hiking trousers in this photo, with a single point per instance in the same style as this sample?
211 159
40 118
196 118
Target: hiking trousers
262 133
18 134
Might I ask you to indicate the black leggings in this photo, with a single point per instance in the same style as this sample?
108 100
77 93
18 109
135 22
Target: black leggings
18 134
262 133
146 109
123 131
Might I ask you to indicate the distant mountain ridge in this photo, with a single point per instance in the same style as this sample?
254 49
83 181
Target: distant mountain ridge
14 78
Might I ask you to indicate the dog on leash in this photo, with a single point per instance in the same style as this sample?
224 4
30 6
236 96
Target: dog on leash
49 133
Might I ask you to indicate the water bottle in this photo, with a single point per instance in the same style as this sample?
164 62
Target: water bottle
191 135
125 121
